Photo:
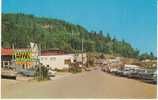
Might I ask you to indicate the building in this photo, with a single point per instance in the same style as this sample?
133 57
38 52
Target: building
6 57
80 58
56 59
24 58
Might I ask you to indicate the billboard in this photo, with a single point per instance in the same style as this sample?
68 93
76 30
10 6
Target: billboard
26 56
23 56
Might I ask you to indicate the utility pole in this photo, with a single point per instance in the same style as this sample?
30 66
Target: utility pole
39 53
82 51
73 46
13 54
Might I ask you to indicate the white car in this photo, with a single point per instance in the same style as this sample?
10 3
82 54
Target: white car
113 70
51 73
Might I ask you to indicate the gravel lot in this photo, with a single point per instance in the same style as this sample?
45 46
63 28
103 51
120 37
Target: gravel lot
93 84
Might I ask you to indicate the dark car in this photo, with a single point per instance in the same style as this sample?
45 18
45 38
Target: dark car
119 72
148 76
128 72
113 71
154 78
135 75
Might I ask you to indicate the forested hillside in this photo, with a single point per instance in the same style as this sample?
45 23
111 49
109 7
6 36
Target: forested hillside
22 29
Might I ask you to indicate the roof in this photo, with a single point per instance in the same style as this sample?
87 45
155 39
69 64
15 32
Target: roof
9 51
6 51
52 52
22 49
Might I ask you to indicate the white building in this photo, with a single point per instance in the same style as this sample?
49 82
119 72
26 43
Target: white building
59 59
81 57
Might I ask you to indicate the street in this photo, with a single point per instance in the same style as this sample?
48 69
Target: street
92 84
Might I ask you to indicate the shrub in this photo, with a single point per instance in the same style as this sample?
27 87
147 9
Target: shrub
75 69
61 70
41 73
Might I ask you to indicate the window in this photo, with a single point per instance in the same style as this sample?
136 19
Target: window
52 58
6 63
67 61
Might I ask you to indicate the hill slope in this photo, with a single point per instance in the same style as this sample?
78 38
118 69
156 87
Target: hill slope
21 29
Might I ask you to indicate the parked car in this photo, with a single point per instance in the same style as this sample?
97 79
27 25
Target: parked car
8 73
136 73
119 72
51 73
28 73
113 70
147 76
155 77
127 72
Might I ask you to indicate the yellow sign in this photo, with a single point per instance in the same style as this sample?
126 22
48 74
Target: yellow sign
23 56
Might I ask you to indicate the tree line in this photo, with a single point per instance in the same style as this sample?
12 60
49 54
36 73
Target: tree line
21 29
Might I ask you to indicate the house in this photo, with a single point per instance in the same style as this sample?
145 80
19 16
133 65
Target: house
56 59
6 57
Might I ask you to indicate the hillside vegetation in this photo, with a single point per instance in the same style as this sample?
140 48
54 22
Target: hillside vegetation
21 29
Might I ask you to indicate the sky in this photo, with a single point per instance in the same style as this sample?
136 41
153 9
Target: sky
131 20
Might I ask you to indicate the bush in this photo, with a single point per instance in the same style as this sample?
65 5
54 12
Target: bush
61 70
41 73
75 69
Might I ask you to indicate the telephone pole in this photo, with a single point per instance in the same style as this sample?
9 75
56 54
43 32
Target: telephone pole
82 51
13 52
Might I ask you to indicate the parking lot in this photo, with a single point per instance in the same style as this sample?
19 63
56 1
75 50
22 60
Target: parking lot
142 74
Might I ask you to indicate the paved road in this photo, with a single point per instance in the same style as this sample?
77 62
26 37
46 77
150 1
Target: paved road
93 84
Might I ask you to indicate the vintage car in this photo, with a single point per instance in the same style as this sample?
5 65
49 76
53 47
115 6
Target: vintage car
119 72
51 73
28 73
113 70
8 73
127 72
155 78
